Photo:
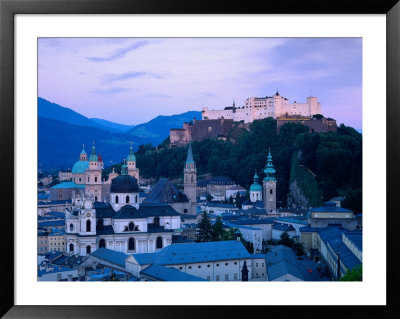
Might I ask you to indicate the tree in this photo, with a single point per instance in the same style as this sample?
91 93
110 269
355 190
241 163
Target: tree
209 197
204 228
354 274
299 248
353 200
218 229
286 240
230 200
231 234
238 201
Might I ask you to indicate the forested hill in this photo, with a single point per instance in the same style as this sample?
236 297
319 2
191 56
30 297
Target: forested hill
333 160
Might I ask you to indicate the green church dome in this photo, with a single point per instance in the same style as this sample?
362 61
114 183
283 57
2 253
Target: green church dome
131 157
93 156
255 187
80 167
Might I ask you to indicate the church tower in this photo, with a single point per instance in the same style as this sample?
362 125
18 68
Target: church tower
255 190
269 185
93 176
190 179
131 163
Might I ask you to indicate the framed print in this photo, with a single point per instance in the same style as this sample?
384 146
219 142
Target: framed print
279 165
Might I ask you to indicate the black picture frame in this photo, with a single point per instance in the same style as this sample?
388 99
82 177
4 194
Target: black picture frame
8 8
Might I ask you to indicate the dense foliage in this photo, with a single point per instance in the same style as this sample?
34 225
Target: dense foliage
354 274
330 162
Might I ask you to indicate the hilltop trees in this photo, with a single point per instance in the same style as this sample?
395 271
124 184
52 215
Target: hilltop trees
332 160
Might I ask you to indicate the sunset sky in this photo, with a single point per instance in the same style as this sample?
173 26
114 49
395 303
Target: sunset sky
132 80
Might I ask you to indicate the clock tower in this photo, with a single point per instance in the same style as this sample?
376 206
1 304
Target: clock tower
190 180
269 186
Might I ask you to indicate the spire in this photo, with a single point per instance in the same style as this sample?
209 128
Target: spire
124 168
83 149
189 159
245 272
233 104
131 157
93 157
255 177
269 168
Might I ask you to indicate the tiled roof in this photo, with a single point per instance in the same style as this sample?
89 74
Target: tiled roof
51 223
168 274
165 192
283 227
105 230
195 253
145 210
111 256
220 205
355 238
104 210
251 221
330 207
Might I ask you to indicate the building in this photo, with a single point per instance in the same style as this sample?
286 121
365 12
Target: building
200 130
256 190
65 175
123 225
269 185
217 208
234 191
166 192
56 240
282 265
256 108
330 214
212 261
339 248
42 242
321 125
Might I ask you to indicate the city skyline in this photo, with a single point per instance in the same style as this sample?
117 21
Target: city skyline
132 80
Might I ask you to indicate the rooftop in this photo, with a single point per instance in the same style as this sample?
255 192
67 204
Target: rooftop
111 256
168 274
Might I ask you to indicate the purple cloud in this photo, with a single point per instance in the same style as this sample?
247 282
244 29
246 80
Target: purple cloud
119 53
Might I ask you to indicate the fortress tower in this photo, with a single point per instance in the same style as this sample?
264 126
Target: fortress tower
269 185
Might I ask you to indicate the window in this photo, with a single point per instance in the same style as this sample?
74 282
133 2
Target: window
185 211
95 198
180 268
71 247
116 199
226 264
131 244
127 199
256 264
217 265
198 266
102 243
235 263
217 277
95 179
131 226
235 276
88 226
80 179
208 278
226 277
156 221
71 227
159 243
190 267
88 249
208 266
270 191
136 199
88 179
262 265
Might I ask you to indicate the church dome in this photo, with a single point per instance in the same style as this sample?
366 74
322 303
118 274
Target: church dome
80 167
124 184
256 187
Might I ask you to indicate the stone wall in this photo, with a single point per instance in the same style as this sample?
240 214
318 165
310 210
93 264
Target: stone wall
315 125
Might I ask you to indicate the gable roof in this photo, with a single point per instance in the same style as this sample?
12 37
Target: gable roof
111 256
165 192
194 253
168 274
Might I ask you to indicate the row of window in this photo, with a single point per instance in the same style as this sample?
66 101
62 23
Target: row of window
127 199
208 266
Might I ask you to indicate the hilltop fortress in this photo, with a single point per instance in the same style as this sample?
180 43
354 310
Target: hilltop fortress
257 108
220 123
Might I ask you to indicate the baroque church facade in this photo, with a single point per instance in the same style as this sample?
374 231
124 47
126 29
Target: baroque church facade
119 221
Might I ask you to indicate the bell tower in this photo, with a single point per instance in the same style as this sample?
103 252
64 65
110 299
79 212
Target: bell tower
93 176
269 185
190 179
131 163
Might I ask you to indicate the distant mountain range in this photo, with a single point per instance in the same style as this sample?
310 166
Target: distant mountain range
158 128
62 132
